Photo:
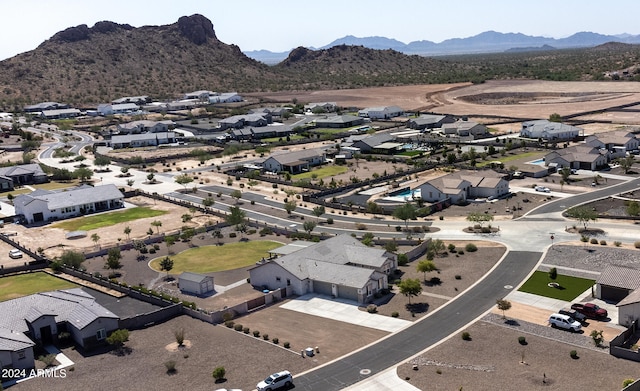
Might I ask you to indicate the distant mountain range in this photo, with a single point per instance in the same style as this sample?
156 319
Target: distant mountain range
487 42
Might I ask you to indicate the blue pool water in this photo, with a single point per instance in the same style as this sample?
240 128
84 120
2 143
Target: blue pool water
539 161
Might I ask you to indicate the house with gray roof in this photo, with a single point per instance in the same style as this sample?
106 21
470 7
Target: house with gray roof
39 107
618 143
141 140
369 143
580 156
465 129
117 108
464 185
321 107
225 97
549 131
48 205
39 319
339 121
295 162
23 174
429 121
339 267
139 100
240 121
145 126
60 113
381 112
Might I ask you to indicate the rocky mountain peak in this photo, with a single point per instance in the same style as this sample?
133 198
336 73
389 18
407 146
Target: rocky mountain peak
196 28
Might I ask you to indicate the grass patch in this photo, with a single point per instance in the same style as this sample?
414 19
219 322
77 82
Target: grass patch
321 172
29 283
571 286
411 153
508 158
292 137
209 259
87 223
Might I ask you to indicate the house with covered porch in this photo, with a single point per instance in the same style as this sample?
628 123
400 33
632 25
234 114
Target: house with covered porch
295 162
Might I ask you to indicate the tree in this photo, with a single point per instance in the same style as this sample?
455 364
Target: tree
83 173
318 211
405 212
127 231
555 117
410 287
151 177
290 206
184 180
391 246
503 305
309 226
426 267
565 172
72 259
113 259
186 217
236 216
157 224
208 202
169 241
118 338
124 170
166 264
218 373
626 163
553 274
373 208
27 157
102 161
437 247
633 208
139 245
236 194
95 238
583 214
479 218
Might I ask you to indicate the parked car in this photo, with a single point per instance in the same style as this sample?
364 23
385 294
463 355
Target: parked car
574 314
276 381
590 310
542 189
564 322
15 253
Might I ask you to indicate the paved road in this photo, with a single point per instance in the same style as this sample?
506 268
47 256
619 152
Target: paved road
426 332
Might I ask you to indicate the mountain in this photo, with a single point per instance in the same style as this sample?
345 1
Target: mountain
96 64
486 42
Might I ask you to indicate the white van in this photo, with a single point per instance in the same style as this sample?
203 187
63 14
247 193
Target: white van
564 322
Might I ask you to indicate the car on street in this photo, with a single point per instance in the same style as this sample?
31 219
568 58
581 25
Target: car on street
276 381
15 254
565 322
542 189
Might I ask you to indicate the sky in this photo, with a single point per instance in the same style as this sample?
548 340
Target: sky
281 25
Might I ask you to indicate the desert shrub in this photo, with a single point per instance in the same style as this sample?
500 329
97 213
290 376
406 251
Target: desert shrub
330 220
458 277
265 337
584 239
466 336
522 340
275 340
395 314
403 259
603 242
232 235
274 185
627 382
593 241
372 308
398 228
246 330
617 243
596 336
460 252
171 366
470 247
636 244
152 250
227 316
361 227
218 373
485 230
229 323
573 354
286 345
238 327
441 217
256 333
179 334
451 247
439 371
435 281
48 359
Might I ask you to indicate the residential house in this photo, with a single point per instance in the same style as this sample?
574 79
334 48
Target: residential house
261 132
549 131
225 97
273 111
47 205
321 107
145 126
617 143
119 108
23 174
200 95
338 267
40 318
369 143
430 121
142 140
195 284
616 282
295 162
465 129
240 121
138 100
578 156
60 113
463 185
40 107
382 112
339 121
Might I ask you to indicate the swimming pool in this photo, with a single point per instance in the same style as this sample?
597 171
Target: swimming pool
539 161
405 195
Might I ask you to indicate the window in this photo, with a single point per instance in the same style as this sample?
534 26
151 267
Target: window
101 334
21 355
288 282
277 278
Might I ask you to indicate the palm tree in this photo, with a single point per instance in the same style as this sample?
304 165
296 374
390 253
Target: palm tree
157 224
95 239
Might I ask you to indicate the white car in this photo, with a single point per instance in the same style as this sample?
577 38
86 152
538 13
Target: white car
15 254
565 322
276 381
542 189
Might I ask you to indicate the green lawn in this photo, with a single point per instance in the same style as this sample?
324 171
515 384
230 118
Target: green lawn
572 287
209 259
321 172
29 283
507 158
87 223
292 137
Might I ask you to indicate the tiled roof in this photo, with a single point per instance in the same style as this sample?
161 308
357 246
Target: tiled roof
11 340
73 197
193 277
620 277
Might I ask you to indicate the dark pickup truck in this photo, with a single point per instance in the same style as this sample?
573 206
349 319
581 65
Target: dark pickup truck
574 314
590 310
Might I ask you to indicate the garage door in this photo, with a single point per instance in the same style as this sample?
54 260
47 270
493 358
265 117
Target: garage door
348 293
322 288
613 293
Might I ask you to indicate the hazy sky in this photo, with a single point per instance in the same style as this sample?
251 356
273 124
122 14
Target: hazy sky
280 25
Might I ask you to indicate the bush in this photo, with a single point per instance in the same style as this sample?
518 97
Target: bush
403 259
275 340
372 308
466 336
603 242
593 241
470 247
636 244
617 243
171 366
238 327
458 277
287 345
398 228
460 252
451 247
584 239
229 323
330 220
522 340
627 382
48 359
218 373
395 314
246 330
265 337
573 354
361 227
232 235
256 333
